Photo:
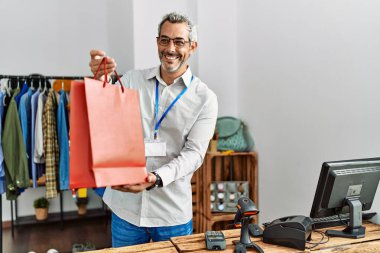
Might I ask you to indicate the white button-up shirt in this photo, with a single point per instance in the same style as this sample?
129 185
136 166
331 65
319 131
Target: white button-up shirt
187 130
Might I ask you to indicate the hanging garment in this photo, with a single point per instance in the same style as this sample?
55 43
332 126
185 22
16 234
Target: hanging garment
51 148
2 169
16 174
33 109
39 156
22 92
63 141
24 109
62 84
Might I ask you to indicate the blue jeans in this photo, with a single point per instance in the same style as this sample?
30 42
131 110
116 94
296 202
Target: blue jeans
126 234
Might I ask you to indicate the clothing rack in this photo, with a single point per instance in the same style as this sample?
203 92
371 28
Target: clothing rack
36 76
24 77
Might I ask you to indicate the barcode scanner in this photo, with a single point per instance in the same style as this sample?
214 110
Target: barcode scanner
245 210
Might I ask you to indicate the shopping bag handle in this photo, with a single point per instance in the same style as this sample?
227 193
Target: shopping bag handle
105 74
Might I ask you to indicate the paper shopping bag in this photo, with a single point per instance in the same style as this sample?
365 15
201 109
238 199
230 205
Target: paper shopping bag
106 138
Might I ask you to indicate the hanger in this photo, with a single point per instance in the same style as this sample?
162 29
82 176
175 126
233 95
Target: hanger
44 85
8 89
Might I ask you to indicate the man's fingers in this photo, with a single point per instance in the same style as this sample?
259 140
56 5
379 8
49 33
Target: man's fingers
94 65
151 178
94 53
132 188
109 70
96 62
110 60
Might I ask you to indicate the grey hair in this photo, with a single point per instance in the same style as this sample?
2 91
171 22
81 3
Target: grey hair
175 17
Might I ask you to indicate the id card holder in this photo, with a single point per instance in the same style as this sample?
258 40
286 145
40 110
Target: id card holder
155 147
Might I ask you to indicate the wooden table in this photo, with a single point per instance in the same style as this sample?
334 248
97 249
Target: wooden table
195 243
155 247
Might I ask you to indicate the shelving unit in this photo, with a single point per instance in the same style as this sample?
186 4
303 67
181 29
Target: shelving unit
196 200
60 217
216 167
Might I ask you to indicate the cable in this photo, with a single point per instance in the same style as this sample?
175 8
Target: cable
320 242
340 218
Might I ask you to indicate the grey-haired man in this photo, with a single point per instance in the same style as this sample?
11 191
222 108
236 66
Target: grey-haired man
179 114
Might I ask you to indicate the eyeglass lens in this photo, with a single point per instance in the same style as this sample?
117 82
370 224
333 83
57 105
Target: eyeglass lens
178 42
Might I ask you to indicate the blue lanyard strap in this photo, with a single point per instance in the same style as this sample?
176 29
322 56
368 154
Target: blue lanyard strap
158 123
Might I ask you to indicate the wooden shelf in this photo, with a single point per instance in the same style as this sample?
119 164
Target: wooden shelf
56 217
216 167
222 217
218 154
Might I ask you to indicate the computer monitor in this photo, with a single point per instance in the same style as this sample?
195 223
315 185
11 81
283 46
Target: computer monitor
346 186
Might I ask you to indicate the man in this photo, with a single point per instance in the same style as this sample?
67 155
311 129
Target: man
179 114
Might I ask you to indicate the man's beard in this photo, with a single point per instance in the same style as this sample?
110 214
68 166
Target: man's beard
174 68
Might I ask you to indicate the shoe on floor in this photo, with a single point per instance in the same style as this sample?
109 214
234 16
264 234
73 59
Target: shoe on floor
52 251
89 246
78 247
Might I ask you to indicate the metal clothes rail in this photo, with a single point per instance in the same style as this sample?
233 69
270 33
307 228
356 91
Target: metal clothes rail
37 76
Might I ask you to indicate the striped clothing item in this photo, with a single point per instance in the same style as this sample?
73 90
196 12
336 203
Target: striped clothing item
51 148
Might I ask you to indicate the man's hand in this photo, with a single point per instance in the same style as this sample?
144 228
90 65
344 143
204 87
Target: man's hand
136 188
96 58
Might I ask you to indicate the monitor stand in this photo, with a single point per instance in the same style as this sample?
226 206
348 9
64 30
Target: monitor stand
354 229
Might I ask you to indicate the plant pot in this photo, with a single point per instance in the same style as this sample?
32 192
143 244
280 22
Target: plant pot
41 213
82 209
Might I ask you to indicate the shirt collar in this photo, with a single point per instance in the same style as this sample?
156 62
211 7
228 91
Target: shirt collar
155 73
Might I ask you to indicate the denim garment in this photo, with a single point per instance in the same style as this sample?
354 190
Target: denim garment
24 90
33 105
63 141
25 120
100 191
126 234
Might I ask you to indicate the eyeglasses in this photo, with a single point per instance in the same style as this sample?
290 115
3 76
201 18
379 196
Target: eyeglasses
178 42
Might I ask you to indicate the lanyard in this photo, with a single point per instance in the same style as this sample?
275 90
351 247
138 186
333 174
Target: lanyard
158 122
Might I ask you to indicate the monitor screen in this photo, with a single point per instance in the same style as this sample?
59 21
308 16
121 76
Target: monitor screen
343 184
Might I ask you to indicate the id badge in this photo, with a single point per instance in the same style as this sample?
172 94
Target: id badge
155 148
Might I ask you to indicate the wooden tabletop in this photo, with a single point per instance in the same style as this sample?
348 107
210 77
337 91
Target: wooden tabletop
155 247
196 243
370 243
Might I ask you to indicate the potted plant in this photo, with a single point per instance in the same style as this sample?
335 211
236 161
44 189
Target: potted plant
82 205
41 206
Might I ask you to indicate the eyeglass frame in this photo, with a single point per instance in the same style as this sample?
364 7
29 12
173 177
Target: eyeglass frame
185 41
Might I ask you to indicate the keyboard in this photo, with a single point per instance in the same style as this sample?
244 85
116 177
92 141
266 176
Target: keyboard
334 220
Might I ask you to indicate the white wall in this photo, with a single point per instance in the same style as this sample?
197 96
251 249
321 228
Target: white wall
218 51
49 37
308 88
119 33
147 15
301 73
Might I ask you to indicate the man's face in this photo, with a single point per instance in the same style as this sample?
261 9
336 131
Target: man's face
173 57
